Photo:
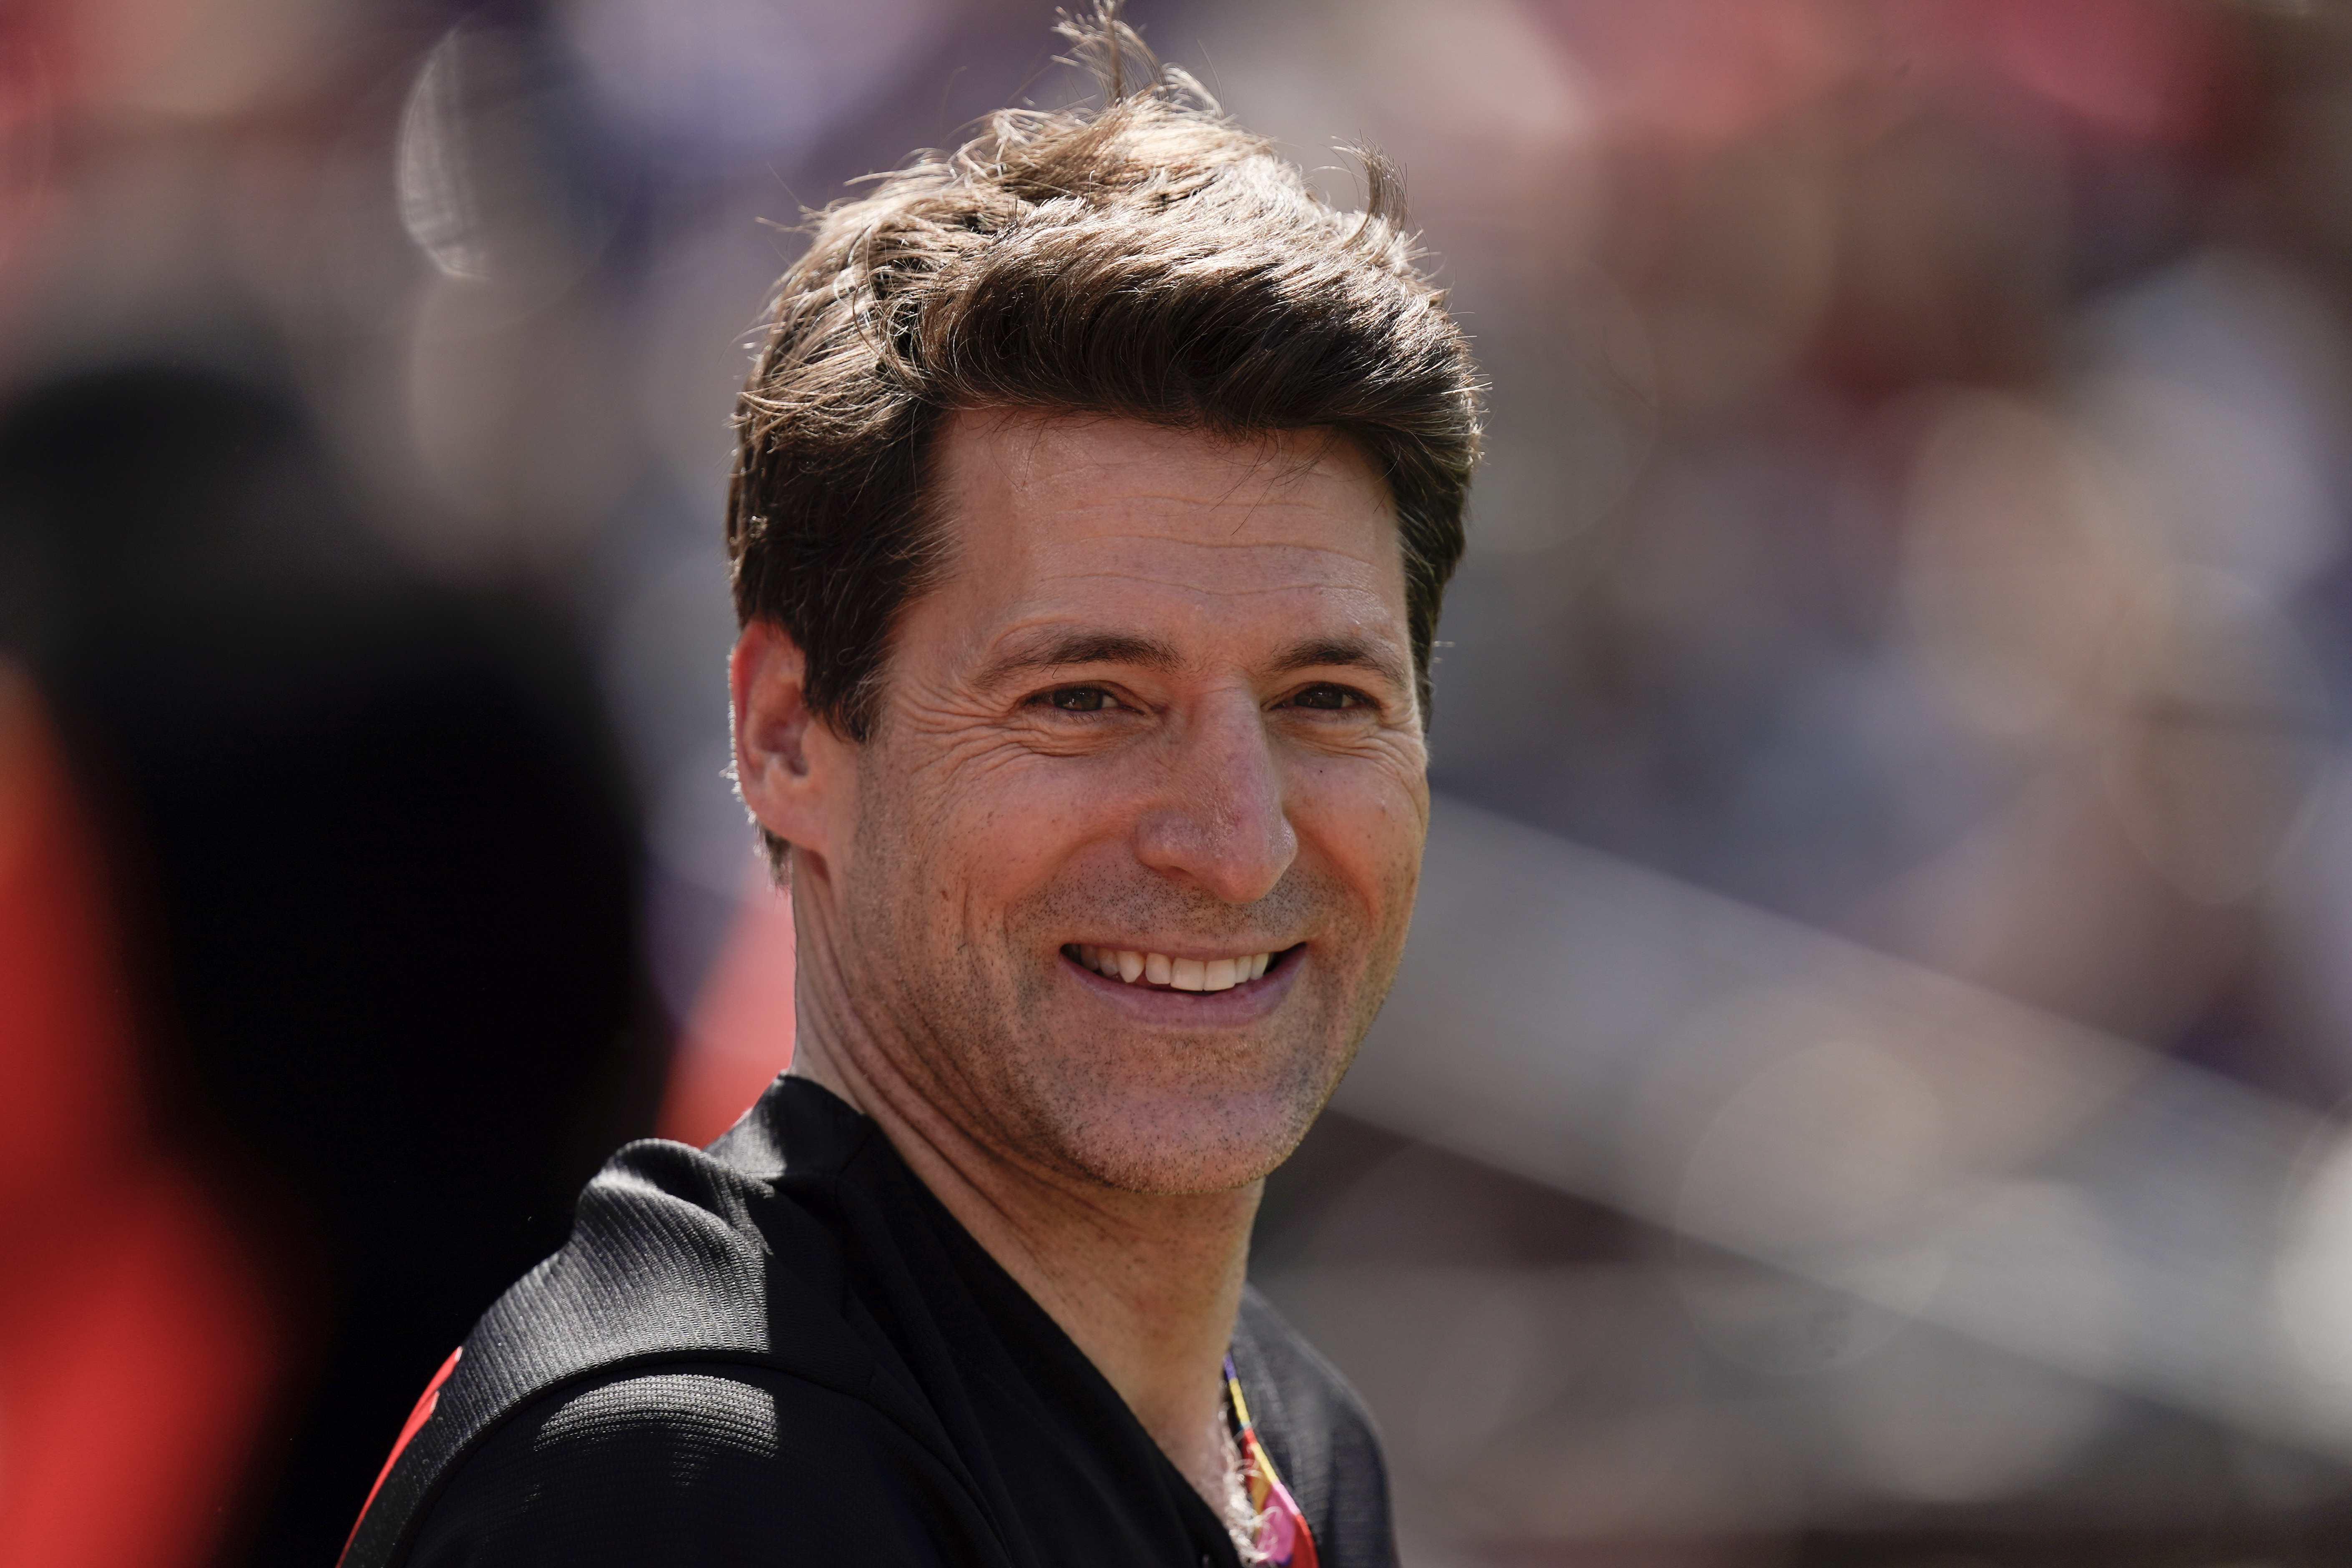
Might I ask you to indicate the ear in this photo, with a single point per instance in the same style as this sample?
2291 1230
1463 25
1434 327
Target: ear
796 774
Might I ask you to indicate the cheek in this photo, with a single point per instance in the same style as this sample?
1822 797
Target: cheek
1370 820
993 823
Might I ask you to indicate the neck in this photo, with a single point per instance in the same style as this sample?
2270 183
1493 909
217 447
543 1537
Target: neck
1147 1285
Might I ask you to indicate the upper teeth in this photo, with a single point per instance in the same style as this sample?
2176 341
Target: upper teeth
1184 974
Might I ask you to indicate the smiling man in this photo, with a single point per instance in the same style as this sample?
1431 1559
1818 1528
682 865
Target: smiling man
1096 488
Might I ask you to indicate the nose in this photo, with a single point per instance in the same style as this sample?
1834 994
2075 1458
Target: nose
1219 820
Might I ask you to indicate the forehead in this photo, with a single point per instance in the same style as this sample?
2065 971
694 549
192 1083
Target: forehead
1060 518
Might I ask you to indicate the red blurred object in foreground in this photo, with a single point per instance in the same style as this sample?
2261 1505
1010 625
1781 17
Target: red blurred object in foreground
740 1035
136 1343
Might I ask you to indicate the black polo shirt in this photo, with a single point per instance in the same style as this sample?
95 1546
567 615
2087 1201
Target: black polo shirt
786 1350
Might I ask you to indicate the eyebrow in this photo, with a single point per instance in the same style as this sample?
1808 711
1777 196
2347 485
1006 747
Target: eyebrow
1077 646
1361 653
1062 650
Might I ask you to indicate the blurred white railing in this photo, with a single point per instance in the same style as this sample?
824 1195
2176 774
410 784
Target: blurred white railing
1924 1147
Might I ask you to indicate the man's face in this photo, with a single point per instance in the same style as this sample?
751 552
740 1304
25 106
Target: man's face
1161 707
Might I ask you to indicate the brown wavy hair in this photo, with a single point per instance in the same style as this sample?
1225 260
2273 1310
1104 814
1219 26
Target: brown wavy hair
1147 259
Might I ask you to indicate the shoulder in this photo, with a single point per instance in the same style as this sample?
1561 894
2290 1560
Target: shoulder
1320 1436
703 1463
675 1256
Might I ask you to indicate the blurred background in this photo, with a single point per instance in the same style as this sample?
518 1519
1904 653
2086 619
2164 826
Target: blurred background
1868 1084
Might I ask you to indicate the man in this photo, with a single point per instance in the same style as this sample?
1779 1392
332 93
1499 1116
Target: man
1096 488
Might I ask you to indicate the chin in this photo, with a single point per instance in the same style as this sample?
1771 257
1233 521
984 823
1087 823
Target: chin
1188 1148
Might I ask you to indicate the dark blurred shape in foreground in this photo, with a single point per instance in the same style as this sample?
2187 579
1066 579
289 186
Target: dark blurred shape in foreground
378 875
139 1355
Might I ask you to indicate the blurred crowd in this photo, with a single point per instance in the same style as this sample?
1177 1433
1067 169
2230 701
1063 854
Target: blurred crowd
1868 1080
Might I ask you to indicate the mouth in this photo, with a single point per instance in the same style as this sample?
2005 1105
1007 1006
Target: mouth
1160 972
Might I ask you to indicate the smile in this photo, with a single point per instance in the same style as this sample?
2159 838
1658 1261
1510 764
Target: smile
1158 971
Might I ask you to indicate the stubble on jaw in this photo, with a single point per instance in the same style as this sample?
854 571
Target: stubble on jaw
1154 1112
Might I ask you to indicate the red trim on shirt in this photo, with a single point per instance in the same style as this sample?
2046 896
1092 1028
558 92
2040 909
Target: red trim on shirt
425 1404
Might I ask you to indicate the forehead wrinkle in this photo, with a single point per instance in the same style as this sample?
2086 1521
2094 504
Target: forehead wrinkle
1198 505
1139 549
1221 591
1278 481
1219 546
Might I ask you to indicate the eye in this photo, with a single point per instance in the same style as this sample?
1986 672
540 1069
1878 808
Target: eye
1079 699
1326 695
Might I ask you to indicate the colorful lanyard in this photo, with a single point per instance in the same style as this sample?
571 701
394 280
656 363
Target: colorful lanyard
1282 1535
